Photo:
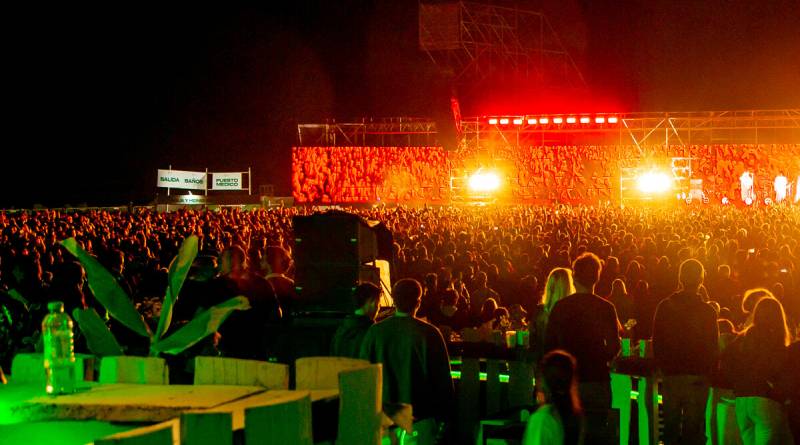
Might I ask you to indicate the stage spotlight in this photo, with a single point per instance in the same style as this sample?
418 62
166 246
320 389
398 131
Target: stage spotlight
612 120
654 182
493 121
532 121
599 120
517 121
504 121
725 200
571 120
585 120
558 120
781 187
544 121
484 182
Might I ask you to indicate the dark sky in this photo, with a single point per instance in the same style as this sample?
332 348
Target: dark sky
102 97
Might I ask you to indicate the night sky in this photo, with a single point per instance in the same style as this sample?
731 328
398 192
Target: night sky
100 97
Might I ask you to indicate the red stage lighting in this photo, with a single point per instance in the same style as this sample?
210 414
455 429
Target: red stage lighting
493 121
599 120
585 120
504 121
532 121
571 120
517 121
558 120
612 120
544 120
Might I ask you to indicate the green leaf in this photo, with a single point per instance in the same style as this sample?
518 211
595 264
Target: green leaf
13 293
178 270
107 291
99 338
201 326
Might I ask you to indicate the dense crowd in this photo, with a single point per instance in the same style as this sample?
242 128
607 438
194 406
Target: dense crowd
485 267
571 174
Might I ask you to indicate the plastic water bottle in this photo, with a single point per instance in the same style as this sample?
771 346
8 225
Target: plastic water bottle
59 350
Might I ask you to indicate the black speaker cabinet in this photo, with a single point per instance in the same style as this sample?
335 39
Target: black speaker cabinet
331 254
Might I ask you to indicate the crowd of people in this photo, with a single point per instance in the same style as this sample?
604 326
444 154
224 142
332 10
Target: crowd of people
369 174
715 289
569 174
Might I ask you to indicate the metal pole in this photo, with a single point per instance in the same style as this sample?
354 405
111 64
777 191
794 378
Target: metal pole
170 170
249 181
206 186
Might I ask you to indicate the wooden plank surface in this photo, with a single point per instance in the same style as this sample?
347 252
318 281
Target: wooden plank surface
273 397
116 402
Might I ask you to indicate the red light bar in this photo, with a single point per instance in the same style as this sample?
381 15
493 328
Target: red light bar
599 120
504 121
517 121
558 120
532 121
493 121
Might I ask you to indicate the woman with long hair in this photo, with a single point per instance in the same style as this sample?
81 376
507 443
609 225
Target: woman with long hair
559 284
560 419
756 363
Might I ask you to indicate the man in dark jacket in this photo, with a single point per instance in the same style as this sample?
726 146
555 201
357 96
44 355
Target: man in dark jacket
349 335
685 346
416 366
586 326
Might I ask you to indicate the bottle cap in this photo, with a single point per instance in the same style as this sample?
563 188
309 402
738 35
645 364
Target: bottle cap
55 306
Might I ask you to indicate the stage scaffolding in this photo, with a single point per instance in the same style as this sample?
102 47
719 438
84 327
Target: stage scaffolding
639 129
473 43
383 132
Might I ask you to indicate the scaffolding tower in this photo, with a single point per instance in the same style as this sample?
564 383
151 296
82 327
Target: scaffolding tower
477 42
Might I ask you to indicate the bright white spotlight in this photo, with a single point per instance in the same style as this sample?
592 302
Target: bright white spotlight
781 186
747 190
484 182
797 191
654 182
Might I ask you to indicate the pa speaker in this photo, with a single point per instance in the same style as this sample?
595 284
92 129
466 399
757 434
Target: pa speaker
333 238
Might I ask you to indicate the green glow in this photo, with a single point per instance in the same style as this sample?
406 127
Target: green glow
504 379
482 376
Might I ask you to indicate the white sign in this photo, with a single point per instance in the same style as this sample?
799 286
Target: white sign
227 181
179 179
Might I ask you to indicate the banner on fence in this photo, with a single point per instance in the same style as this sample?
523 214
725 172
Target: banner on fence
226 181
179 179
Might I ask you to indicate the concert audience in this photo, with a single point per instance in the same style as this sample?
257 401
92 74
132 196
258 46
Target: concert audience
415 361
757 365
593 345
560 419
451 248
350 334
685 345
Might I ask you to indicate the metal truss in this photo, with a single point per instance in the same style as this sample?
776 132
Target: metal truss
395 131
639 129
475 42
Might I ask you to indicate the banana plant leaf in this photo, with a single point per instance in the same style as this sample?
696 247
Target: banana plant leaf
13 293
178 270
107 291
99 338
201 326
